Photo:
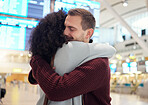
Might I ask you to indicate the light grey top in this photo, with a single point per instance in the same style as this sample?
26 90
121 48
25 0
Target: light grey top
72 55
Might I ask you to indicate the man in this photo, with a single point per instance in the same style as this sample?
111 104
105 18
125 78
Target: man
92 79
79 25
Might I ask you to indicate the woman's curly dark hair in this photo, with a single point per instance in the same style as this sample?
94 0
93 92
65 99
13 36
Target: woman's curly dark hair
48 35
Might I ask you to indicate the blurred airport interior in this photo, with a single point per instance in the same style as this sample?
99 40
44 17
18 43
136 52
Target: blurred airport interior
120 23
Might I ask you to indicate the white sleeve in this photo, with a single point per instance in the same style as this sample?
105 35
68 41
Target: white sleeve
75 53
102 50
69 56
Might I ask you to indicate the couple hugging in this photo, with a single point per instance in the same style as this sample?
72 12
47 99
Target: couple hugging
69 69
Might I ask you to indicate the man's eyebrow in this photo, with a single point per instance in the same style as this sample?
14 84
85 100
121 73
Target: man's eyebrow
71 27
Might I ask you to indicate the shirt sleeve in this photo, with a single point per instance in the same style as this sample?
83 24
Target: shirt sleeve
83 79
101 50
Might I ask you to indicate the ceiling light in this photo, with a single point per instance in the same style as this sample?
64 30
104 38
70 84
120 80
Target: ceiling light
134 47
33 2
125 3
41 3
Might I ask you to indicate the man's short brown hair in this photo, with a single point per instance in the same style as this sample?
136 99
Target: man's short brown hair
88 20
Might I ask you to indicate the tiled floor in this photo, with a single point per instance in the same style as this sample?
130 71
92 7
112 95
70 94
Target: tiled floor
28 95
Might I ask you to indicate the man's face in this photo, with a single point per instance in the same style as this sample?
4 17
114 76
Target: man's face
74 29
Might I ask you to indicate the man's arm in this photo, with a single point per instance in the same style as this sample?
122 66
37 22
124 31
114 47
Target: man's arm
102 50
85 78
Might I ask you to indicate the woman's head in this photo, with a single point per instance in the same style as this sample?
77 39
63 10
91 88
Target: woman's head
48 36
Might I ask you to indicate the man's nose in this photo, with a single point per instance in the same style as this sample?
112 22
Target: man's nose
66 32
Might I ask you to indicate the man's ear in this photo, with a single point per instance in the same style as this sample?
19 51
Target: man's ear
89 33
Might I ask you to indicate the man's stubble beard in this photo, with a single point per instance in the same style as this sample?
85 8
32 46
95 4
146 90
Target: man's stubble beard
81 38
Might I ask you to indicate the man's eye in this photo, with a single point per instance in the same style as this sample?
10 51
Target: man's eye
71 29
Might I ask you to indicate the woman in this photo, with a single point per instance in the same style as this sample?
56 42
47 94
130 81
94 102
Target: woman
47 40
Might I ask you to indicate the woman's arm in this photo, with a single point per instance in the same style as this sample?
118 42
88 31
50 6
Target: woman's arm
85 78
